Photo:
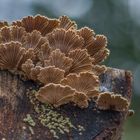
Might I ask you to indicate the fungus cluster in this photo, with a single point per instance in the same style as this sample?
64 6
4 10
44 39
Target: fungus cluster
63 60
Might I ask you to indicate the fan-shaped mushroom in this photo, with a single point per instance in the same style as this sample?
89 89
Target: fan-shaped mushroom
66 23
65 40
82 62
50 75
39 23
55 94
87 83
11 55
59 60
107 101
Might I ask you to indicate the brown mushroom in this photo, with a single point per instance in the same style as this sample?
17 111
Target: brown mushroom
96 45
82 62
59 60
11 55
40 23
85 82
50 75
111 101
12 33
64 40
55 94
66 23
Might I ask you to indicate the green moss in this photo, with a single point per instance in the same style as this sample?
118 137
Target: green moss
50 118
29 120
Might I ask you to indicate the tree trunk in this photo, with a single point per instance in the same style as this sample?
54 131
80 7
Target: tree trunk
98 125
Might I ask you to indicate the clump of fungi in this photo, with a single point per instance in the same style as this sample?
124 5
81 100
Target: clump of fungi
64 60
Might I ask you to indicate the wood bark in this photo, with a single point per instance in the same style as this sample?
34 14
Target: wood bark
99 125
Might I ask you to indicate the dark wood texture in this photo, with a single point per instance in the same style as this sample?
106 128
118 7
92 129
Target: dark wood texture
99 125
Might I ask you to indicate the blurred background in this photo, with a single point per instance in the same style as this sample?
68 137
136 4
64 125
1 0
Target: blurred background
119 20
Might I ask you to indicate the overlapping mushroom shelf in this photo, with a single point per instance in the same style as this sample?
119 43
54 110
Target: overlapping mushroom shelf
63 59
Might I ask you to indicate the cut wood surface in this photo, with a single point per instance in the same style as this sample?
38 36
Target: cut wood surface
98 125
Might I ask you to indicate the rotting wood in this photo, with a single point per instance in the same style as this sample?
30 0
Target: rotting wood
98 125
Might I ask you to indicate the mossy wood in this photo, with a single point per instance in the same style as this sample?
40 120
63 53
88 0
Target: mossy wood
97 124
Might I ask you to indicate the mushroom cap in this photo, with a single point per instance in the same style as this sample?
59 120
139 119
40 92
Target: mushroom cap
59 60
82 62
84 82
40 23
50 75
107 101
55 94
10 55
66 23
65 40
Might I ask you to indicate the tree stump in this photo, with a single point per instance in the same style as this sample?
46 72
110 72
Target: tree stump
97 124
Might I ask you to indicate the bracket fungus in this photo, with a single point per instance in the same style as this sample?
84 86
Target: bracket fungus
66 60
112 101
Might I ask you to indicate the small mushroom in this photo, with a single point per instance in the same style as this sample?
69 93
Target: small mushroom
86 83
40 23
55 94
59 60
34 40
99 69
82 62
11 55
35 72
111 101
81 100
12 33
50 75
44 52
66 23
65 40
27 66
96 45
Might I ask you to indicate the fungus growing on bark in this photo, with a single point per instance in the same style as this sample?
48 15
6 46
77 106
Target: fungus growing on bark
99 69
50 75
65 40
10 55
12 33
55 94
66 23
81 61
44 52
32 40
96 45
85 82
53 51
27 66
81 99
111 101
59 60
40 23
